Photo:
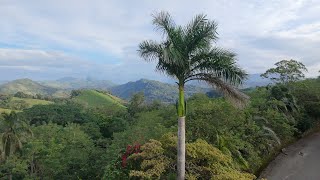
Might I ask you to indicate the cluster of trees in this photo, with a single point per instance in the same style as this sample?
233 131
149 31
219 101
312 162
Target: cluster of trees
4 100
37 96
57 141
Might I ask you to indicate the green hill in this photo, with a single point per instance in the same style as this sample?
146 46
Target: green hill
27 86
19 104
93 98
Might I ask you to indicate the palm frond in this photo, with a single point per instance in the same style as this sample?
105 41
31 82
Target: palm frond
200 33
272 134
172 54
170 69
220 63
235 96
163 22
186 53
150 50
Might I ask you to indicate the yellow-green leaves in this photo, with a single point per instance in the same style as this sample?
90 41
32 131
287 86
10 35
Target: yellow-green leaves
154 162
157 160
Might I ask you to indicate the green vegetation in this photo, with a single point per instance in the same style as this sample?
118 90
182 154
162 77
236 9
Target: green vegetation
14 133
9 102
27 86
31 102
250 137
69 140
62 153
94 98
286 71
2 110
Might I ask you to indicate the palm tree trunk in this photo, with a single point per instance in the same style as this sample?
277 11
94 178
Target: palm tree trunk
181 105
181 148
181 135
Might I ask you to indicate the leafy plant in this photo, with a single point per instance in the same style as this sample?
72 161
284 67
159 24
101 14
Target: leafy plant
286 71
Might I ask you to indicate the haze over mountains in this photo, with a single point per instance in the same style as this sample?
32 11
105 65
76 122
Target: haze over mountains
153 90
77 83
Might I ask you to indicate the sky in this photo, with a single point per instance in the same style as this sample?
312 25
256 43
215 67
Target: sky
50 39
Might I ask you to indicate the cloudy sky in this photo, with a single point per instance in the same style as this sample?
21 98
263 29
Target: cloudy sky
44 39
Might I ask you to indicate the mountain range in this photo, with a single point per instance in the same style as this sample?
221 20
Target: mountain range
153 90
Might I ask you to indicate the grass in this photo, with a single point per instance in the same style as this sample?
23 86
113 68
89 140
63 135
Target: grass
2 110
96 99
28 101
32 102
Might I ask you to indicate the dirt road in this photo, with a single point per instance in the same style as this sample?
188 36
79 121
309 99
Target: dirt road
301 161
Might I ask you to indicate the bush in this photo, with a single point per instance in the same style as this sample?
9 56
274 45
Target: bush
157 160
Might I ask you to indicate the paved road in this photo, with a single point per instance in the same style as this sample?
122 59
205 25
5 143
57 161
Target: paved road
302 161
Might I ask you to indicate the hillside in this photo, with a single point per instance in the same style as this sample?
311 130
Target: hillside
27 86
255 80
2 110
31 102
93 98
8 103
154 90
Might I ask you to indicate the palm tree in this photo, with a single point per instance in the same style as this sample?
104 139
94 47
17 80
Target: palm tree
186 54
12 132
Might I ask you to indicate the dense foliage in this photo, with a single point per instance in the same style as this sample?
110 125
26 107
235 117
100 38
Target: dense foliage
275 117
66 140
286 71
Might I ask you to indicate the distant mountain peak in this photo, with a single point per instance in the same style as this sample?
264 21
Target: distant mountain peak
23 80
154 90
66 79
27 86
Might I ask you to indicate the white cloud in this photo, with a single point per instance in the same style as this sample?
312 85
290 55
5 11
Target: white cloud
39 58
41 64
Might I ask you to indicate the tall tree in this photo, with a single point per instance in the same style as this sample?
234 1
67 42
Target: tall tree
186 53
136 103
286 71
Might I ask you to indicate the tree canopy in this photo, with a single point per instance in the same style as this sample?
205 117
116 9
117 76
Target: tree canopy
286 71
